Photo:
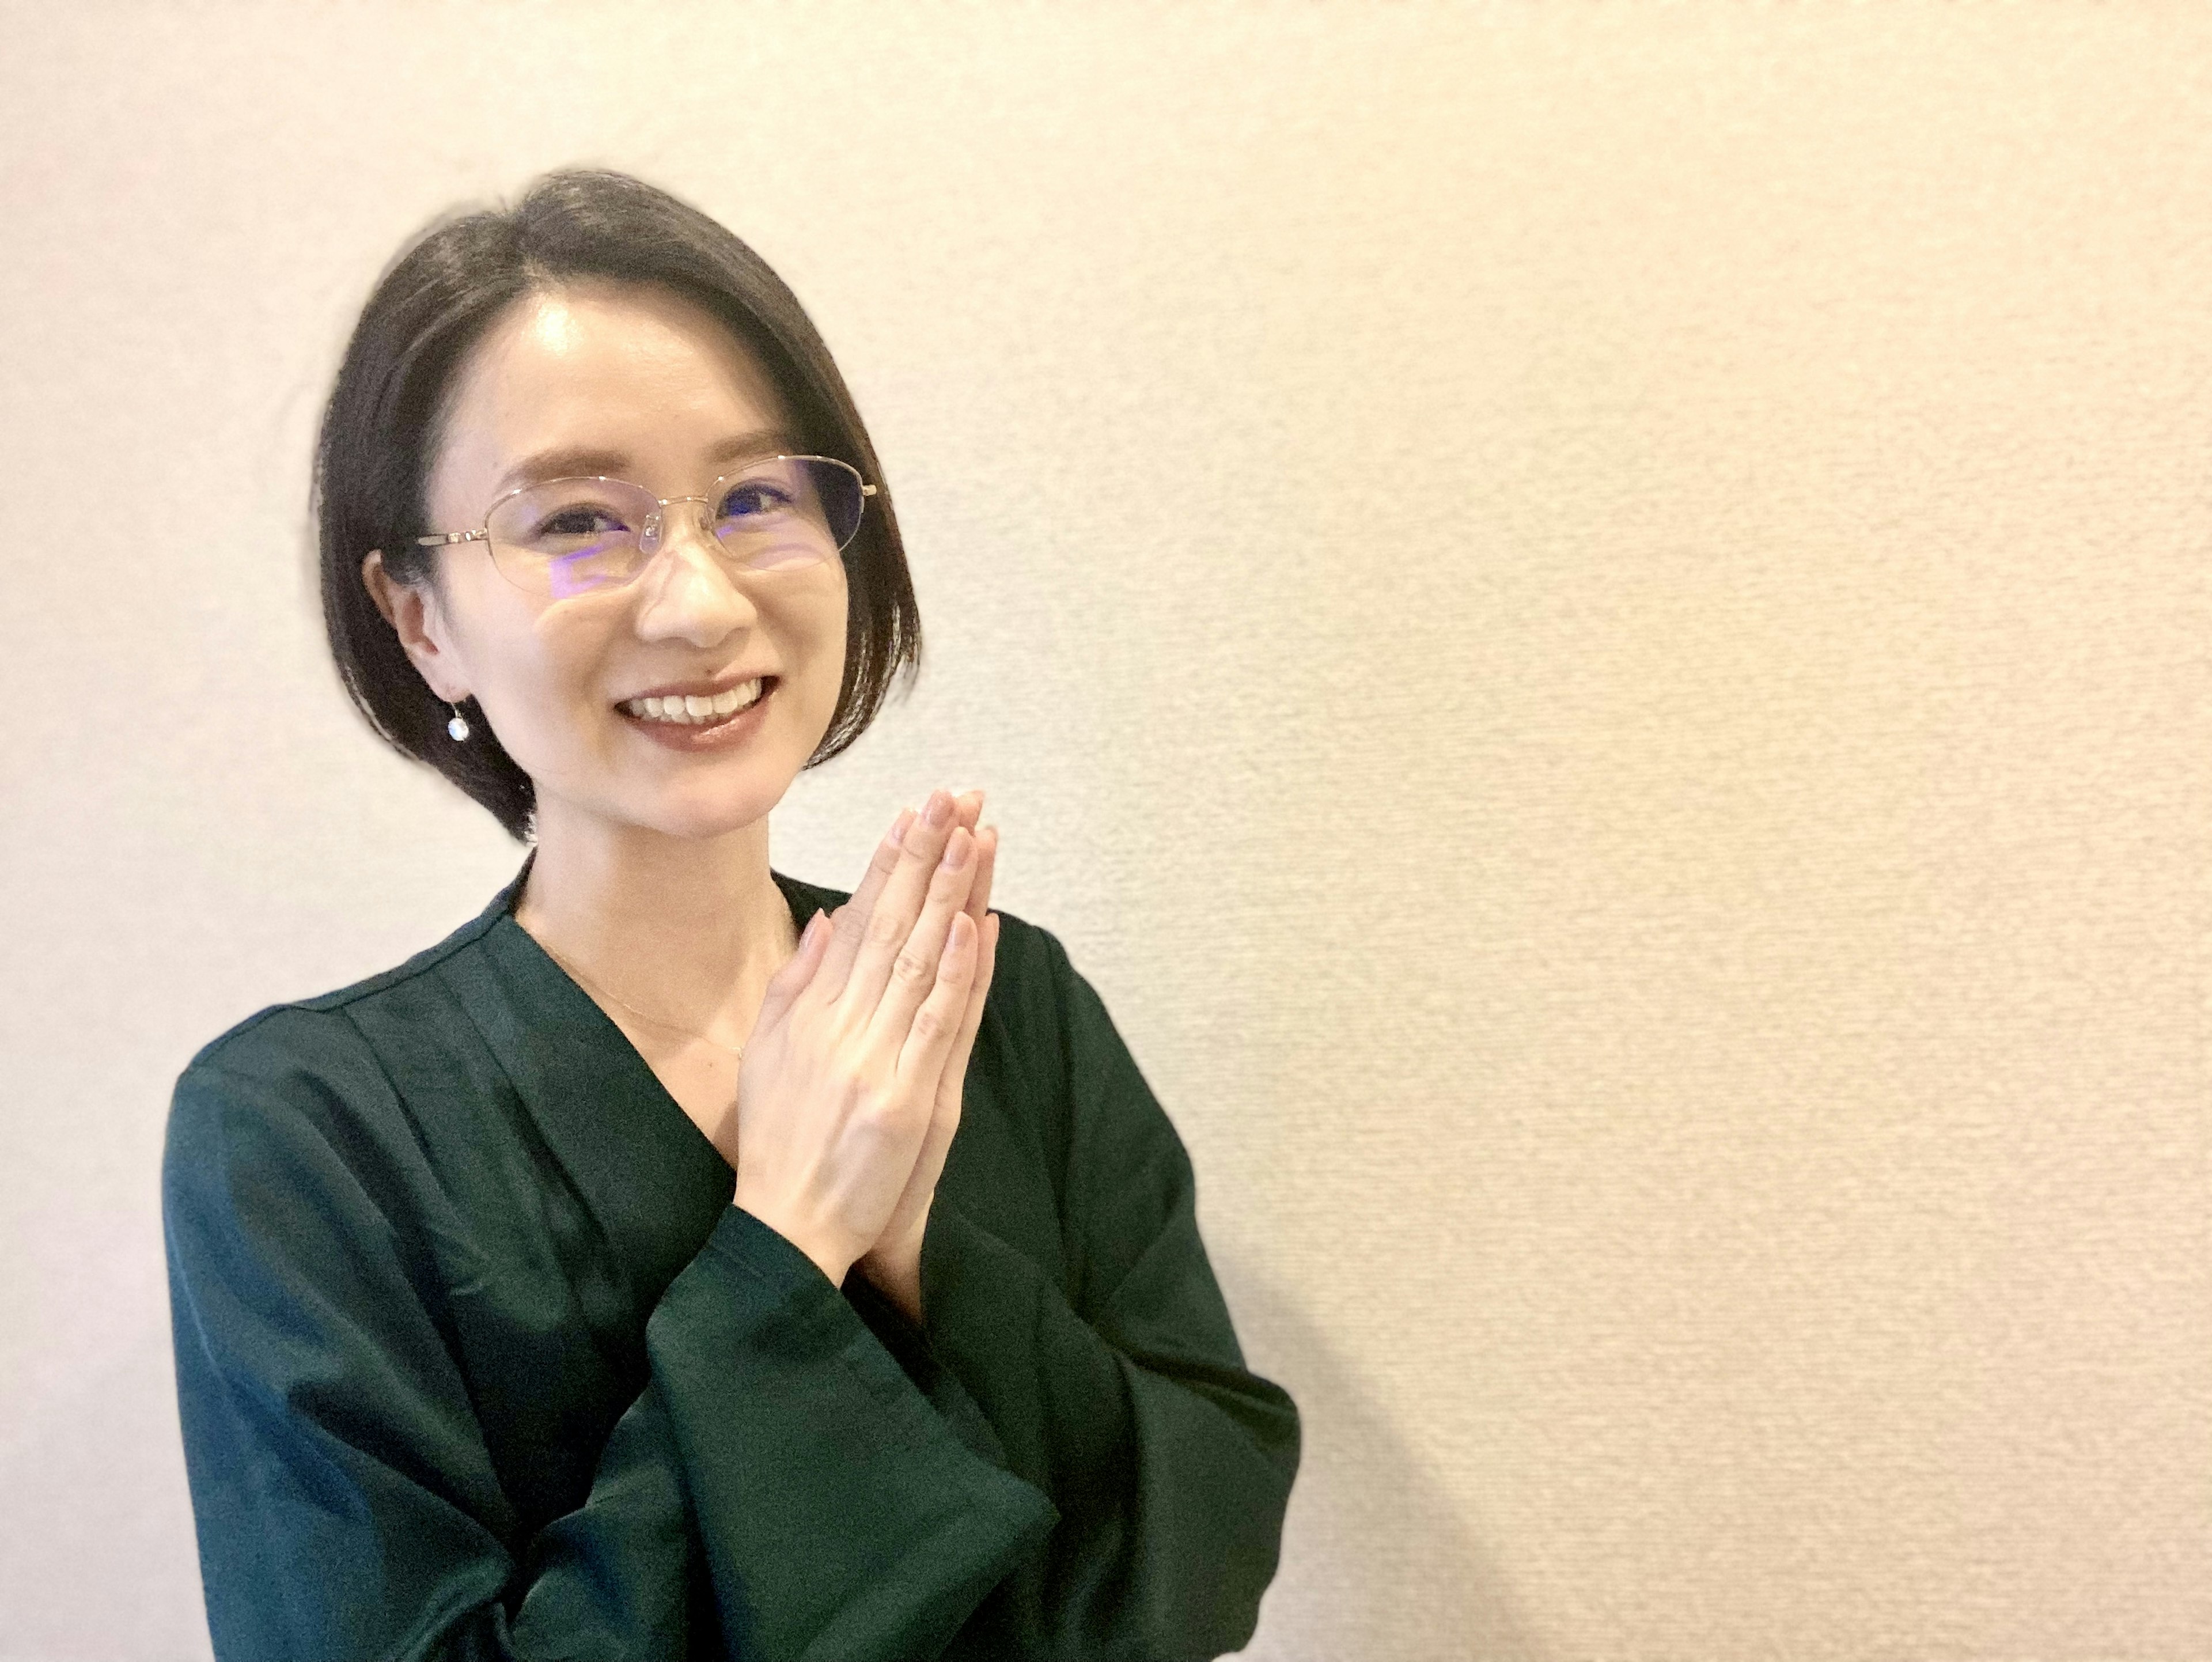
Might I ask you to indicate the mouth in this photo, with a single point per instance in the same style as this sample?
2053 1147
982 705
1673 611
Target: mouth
701 723
695 710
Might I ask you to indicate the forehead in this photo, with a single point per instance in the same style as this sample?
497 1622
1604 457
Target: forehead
648 384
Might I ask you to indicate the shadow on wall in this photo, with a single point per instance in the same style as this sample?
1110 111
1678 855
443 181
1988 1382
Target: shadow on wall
97 1559
1376 1564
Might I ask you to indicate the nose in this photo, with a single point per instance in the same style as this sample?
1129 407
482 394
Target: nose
668 521
687 592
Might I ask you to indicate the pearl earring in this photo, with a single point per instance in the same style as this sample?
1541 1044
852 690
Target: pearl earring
458 729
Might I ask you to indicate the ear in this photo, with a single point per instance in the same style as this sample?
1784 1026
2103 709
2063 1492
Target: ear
413 612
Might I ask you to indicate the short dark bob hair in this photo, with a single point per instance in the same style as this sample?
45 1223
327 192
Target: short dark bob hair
431 307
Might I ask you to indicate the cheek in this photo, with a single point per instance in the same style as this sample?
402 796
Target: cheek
825 648
533 670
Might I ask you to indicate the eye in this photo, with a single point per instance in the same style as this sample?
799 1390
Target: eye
578 519
762 492
753 499
565 516
568 537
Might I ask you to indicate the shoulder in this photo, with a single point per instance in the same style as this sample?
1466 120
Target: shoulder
303 1079
270 1034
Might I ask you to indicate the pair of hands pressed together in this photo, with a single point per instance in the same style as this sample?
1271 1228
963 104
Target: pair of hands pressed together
849 1091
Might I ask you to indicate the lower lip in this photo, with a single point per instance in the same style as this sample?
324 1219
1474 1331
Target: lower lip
715 735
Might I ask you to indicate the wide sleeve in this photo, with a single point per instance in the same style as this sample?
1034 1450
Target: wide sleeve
778 1479
1115 1381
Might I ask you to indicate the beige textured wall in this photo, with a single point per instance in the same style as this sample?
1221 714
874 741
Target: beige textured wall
1592 620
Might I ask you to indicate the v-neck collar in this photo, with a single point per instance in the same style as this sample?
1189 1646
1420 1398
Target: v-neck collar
650 1177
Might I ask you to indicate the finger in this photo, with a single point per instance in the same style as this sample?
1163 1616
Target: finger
929 1035
943 1124
945 1117
798 970
886 861
986 859
969 811
914 971
852 917
963 1041
898 907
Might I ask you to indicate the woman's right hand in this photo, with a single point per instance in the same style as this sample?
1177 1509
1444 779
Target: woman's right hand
841 1076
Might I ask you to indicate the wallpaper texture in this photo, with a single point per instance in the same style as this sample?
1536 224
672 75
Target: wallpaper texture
1591 620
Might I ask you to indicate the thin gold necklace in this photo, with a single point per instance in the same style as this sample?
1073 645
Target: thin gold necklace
738 1052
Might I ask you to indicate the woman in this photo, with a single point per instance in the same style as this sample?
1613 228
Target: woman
609 1280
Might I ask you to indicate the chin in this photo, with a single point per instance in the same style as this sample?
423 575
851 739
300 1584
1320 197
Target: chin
702 809
690 799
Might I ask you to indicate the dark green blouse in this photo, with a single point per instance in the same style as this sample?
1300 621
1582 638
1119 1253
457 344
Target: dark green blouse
477 1359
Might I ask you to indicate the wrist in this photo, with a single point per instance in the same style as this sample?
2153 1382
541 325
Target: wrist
897 1276
826 1254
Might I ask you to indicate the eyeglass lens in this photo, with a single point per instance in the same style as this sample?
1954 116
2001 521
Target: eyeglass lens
568 536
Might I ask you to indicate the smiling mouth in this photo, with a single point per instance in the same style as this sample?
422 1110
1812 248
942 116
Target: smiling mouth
698 711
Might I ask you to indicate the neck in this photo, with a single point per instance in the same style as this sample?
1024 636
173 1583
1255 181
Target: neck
687 929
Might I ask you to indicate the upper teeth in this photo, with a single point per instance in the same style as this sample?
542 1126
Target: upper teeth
694 708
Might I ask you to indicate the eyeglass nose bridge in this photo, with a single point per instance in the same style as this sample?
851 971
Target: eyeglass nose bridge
649 532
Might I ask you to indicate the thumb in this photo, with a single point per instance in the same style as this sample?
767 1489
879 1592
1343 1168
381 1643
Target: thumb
786 985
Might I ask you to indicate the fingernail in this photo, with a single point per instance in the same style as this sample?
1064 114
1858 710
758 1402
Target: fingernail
957 847
899 827
940 809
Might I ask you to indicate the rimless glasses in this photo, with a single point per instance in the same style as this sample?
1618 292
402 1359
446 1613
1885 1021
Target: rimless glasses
576 536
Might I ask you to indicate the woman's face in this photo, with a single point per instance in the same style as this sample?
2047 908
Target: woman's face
634 383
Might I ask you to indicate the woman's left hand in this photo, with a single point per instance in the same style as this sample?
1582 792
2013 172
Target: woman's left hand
894 1263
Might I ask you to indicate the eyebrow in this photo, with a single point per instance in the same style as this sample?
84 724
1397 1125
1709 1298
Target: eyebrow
584 461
